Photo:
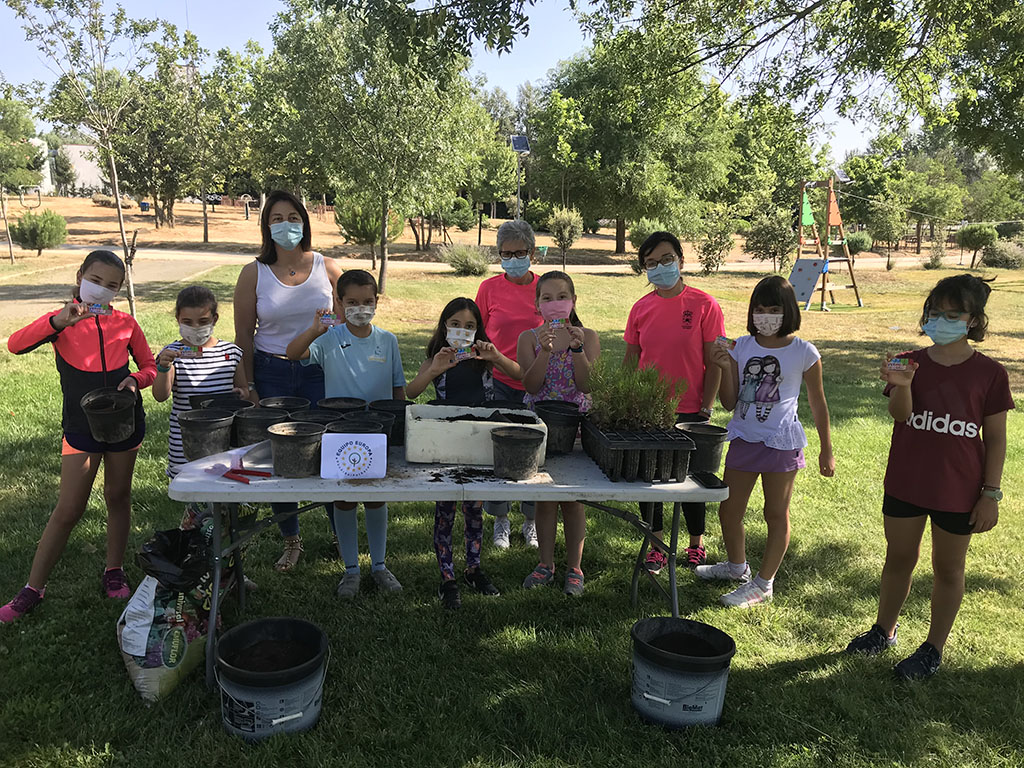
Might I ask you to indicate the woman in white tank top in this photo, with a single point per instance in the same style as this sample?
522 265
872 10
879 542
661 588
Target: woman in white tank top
274 297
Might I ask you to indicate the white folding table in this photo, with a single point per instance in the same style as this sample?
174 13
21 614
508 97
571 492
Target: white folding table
572 477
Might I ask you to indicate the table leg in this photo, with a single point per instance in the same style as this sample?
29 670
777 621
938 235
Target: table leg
211 629
233 536
641 559
674 542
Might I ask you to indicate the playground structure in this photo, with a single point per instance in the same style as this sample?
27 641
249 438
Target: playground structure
28 203
816 259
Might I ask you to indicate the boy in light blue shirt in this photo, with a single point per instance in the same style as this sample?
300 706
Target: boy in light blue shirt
359 360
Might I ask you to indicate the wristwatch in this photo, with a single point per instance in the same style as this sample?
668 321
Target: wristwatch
992 492
576 350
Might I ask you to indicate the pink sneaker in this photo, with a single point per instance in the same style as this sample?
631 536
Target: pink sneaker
115 584
27 599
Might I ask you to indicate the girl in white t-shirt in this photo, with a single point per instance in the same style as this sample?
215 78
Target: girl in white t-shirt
761 380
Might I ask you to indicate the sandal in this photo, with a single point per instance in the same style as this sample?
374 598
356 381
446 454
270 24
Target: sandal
292 551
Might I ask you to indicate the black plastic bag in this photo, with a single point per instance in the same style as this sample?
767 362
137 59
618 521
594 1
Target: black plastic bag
178 559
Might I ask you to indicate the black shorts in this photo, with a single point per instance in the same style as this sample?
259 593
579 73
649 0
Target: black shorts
957 523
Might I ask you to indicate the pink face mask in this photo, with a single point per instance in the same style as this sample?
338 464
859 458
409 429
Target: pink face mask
556 310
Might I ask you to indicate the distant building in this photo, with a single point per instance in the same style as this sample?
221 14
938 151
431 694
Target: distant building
46 185
88 173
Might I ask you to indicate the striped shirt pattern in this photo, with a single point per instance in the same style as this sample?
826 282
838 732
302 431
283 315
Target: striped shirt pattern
212 374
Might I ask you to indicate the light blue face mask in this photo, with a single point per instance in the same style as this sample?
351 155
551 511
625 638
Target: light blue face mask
944 331
516 268
287 234
664 275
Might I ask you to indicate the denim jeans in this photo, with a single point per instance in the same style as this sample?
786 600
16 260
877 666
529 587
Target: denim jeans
286 378
503 391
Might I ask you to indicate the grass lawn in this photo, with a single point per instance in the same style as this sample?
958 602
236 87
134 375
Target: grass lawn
535 678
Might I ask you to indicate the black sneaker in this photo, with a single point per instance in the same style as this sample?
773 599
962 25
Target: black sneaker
921 664
872 642
449 594
478 580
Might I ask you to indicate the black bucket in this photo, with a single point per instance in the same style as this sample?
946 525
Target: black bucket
316 416
111 414
271 674
342 404
396 407
231 403
680 670
517 452
204 432
384 418
350 427
251 424
196 401
563 422
295 446
285 403
710 444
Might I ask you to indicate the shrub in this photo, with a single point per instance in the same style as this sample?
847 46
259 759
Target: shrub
1009 229
537 213
742 227
1003 254
462 214
466 260
936 255
106 201
717 241
34 232
771 236
642 229
627 397
361 224
858 242
591 226
975 237
566 227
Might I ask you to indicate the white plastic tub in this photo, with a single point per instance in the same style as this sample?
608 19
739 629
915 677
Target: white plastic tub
429 439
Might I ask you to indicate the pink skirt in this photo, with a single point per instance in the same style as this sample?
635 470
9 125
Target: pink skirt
758 457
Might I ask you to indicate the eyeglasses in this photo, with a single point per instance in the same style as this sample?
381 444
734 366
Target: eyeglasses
664 261
513 254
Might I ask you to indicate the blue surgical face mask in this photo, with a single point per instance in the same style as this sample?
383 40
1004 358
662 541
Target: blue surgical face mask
664 275
516 268
287 234
943 331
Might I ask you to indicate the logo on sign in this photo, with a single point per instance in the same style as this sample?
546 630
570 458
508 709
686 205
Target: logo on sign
354 458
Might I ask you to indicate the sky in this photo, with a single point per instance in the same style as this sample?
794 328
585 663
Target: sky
554 35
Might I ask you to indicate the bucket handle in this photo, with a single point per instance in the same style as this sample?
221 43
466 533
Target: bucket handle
286 718
670 702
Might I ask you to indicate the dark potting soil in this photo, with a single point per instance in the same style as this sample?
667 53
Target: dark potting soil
272 656
461 475
505 418
103 405
684 644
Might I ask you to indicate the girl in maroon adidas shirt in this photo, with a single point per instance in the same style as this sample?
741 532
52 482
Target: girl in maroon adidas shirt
91 343
949 405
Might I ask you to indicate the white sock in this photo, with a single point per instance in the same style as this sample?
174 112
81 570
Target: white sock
737 569
764 584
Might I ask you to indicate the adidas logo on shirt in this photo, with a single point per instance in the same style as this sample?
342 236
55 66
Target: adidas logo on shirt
944 425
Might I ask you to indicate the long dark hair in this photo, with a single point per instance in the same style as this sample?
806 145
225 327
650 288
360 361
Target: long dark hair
558 275
968 294
268 248
440 338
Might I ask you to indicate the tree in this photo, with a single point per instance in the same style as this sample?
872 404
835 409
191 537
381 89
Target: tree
34 232
63 173
887 222
771 236
995 196
975 237
566 227
717 242
16 155
491 174
91 51
931 191
873 177
360 224
563 142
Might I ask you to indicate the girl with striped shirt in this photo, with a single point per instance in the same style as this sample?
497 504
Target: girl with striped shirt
215 371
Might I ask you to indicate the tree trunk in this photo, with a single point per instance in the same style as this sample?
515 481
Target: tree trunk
494 210
129 278
169 212
563 259
206 220
920 226
7 228
423 232
382 279
415 232
620 235
480 227
430 232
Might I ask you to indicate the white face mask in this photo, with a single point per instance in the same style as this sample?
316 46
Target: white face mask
90 293
197 336
360 316
459 338
767 325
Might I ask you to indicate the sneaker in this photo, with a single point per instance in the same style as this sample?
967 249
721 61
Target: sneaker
745 596
529 531
27 599
478 580
449 594
721 572
115 584
921 664
573 582
502 530
872 642
541 576
348 587
695 556
655 561
386 581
